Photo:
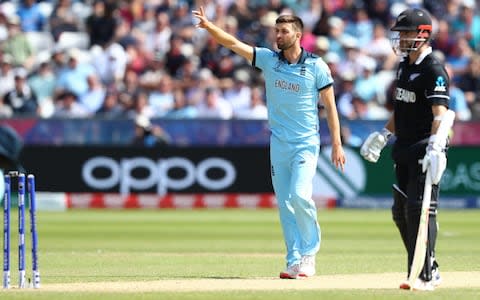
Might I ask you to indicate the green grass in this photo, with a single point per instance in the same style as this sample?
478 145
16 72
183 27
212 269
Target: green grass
97 246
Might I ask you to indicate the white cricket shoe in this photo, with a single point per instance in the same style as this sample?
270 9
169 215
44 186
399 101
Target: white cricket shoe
436 280
291 272
421 285
307 266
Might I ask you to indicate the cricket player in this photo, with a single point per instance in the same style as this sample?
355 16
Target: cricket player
294 81
11 146
421 100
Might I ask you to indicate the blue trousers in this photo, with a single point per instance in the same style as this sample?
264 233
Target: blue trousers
292 169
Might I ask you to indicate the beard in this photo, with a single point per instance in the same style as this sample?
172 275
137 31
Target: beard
284 45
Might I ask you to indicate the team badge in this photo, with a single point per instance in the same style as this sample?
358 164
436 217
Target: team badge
440 85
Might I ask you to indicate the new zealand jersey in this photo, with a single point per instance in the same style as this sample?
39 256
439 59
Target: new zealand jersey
292 93
419 86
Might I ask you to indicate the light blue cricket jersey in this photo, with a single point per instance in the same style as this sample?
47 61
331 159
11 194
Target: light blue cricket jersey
292 93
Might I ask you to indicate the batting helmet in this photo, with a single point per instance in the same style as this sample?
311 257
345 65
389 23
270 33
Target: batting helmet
411 20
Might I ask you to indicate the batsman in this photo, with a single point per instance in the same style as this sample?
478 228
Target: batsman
420 123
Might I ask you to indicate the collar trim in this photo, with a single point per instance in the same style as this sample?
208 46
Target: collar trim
303 57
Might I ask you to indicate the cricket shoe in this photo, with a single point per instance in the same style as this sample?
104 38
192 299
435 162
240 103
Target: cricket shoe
291 272
422 285
307 266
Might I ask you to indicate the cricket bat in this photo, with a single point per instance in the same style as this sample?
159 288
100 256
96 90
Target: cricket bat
422 235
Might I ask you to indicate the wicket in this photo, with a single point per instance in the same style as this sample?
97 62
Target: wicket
21 229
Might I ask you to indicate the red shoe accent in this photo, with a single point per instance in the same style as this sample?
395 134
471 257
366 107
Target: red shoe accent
285 275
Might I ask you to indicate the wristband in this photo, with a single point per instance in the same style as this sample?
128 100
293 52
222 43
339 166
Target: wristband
386 133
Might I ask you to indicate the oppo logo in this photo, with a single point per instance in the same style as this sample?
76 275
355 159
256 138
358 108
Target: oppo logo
156 173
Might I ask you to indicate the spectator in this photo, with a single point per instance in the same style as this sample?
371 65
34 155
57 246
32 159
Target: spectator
467 25
42 83
110 62
101 24
308 39
336 34
311 14
157 41
67 106
322 45
73 77
187 75
137 59
58 59
256 110
6 75
211 54
182 21
63 18
206 79
140 106
266 35
352 55
361 27
111 107
174 58
214 106
458 102
378 11
161 99
332 59
22 99
130 84
344 102
93 99
469 83
154 72
366 84
240 93
131 11
182 108
367 111
443 39
17 45
380 49
31 17
152 37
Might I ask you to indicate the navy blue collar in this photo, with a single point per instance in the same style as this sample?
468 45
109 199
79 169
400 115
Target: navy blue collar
303 56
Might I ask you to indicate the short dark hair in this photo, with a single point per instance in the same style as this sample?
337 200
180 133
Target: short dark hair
297 22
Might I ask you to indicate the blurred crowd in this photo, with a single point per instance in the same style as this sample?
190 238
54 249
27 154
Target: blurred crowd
122 59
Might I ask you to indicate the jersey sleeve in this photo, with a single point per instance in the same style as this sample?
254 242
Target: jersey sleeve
262 57
438 86
324 76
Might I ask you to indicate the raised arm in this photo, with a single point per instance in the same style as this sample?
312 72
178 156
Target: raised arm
223 38
328 99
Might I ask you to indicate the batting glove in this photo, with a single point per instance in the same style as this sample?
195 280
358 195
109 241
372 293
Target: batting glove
434 159
373 145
